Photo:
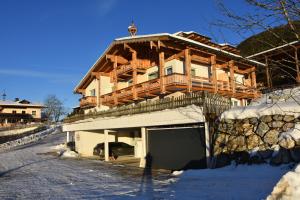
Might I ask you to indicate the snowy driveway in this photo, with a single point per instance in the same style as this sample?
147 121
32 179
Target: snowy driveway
25 173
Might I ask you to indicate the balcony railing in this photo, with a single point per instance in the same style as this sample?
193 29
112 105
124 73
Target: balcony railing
151 87
123 69
88 101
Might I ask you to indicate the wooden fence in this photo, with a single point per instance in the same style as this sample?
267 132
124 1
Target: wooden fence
211 104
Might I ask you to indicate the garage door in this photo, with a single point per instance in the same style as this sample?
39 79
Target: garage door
177 148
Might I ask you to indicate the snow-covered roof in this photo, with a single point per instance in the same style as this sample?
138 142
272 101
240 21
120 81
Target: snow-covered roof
275 48
174 36
19 104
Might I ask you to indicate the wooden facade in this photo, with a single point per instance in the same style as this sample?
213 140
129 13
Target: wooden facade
137 68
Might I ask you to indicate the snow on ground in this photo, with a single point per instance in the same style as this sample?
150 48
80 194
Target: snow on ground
232 182
288 187
27 173
285 102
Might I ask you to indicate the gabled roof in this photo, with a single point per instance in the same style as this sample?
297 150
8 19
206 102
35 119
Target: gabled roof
20 104
160 36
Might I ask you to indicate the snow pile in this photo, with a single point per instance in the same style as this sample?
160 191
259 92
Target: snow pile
288 187
293 134
60 148
69 154
231 182
28 139
283 102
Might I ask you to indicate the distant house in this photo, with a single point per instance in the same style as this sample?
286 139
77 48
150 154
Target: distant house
143 88
19 112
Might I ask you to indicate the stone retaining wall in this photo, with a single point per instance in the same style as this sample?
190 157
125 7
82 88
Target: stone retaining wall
268 138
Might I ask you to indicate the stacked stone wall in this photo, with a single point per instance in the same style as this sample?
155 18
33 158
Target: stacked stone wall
257 140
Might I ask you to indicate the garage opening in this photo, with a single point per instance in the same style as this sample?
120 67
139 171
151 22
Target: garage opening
116 149
177 148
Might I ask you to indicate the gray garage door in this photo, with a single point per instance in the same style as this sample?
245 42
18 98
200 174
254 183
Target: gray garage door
177 148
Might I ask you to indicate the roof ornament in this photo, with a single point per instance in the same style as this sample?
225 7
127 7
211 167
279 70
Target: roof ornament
4 96
132 29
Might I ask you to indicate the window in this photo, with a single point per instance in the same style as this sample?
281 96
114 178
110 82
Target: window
153 75
193 72
14 112
23 112
169 70
33 113
93 92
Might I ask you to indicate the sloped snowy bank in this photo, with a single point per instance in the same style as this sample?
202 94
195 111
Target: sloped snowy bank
28 139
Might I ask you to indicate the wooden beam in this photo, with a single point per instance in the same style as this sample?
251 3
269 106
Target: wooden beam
81 91
126 46
187 64
162 72
115 80
232 79
269 81
253 79
213 60
120 59
297 65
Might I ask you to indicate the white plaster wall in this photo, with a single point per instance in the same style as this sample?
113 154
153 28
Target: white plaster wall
200 70
91 86
177 66
106 85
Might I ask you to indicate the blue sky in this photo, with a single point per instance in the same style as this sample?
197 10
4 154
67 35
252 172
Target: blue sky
46 46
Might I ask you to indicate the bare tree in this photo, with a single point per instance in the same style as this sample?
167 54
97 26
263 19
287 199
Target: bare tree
264 16
54 108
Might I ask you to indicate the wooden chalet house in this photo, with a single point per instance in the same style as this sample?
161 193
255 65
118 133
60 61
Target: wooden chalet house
142 69
138 68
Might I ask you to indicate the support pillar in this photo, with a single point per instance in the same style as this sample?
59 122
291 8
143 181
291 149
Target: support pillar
106 146
162 72
297 65
134 74
98 94
232 80
207 144
115 80
214 72
187 64
144 147
68 136
269 82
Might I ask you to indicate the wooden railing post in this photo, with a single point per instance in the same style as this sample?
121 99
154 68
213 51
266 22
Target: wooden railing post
162 72
187 64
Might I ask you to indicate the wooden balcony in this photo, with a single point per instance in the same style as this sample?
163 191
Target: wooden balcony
88 102
125 71
176 82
